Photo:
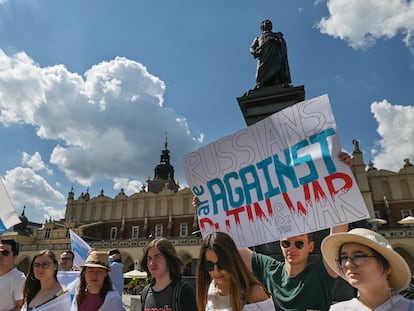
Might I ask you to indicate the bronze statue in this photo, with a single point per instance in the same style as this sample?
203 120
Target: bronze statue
271 51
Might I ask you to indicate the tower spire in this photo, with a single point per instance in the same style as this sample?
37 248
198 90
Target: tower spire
163 172
166 141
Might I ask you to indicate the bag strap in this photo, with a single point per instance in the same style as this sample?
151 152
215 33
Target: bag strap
144 294
176 297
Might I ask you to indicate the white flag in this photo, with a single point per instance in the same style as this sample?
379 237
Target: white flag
8 216
79 247
69 280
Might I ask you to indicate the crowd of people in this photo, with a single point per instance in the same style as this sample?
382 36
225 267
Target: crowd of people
362 257
224 278
42 290
227 278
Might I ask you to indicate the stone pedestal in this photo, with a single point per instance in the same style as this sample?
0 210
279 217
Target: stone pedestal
261 103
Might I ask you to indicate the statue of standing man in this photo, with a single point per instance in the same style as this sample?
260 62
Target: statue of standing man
271 51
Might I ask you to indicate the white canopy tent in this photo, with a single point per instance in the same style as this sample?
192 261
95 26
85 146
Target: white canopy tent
135 274
409 220
377 221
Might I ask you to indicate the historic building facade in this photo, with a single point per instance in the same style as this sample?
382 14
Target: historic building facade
124 222
389 197
163 209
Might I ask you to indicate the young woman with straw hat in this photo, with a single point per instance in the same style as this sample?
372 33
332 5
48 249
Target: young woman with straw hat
366 260
95 291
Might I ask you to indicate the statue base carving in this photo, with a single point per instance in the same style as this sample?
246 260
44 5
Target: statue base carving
263 102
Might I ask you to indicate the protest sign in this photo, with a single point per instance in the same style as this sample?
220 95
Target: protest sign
278 178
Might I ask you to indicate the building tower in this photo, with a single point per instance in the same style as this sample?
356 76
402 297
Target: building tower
163 173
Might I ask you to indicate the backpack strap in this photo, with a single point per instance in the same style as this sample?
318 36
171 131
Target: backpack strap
176 301
144 294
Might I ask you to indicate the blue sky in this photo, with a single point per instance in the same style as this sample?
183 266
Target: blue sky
88 89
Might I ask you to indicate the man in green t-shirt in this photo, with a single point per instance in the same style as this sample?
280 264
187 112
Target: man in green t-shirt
295 284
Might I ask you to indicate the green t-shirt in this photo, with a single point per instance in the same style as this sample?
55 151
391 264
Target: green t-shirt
310 289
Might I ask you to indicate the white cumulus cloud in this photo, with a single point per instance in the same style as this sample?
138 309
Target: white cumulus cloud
26 188
109 123
361 23
35 162
397 135
129 186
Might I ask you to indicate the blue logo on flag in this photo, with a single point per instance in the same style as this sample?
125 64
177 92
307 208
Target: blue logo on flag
2 227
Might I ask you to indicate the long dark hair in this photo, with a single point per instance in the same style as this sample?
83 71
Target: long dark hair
106 287
174 263
241 279
32 285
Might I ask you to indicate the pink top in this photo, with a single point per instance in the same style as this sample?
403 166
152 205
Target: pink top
92 302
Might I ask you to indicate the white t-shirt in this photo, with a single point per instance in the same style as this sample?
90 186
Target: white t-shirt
216 302
11 289
396 303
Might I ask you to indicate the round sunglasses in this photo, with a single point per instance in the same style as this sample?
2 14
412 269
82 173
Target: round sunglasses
287 244
5 252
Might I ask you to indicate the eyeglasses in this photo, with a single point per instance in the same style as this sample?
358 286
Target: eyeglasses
209 265
66 259
287 244
5 252
44 265
357 260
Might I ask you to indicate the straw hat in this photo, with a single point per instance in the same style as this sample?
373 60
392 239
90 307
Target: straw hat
97 260
400 275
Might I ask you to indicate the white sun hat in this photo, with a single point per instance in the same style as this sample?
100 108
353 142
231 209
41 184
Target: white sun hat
400 276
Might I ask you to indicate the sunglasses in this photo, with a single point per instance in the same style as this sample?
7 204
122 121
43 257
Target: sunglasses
66 259
209 265
5 252
287 244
